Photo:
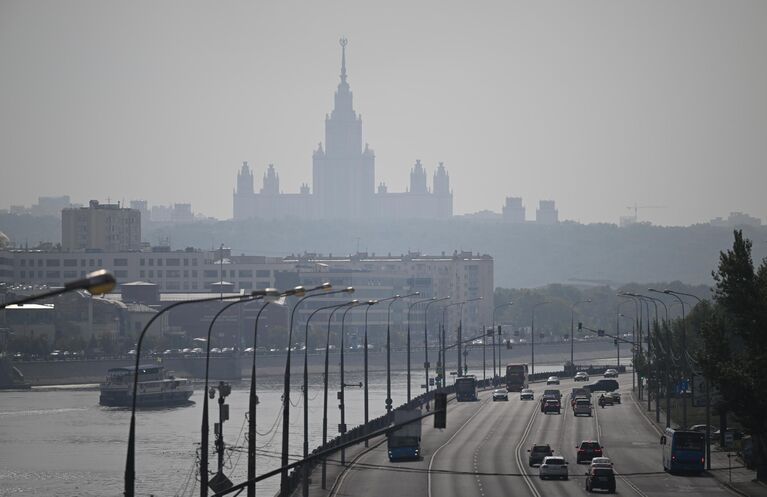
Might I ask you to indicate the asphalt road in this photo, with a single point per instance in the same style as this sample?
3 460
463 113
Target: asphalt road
483 453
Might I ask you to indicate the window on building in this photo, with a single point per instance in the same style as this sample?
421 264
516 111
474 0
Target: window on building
142 274
263 273
186 261
142 261
53 274
173 262
151 273
70 262
91 263
159 262
194 273
70 274
151 261
121 262
245 273
210 273
173 273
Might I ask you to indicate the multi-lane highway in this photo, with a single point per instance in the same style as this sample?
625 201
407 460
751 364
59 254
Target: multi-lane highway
483 453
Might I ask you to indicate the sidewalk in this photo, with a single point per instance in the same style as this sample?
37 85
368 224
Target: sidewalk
739 479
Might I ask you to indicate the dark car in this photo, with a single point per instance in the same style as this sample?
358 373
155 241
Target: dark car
552 406
601 478
537 453
603 386
587 450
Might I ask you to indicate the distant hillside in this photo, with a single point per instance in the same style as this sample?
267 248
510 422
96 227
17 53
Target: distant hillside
526 255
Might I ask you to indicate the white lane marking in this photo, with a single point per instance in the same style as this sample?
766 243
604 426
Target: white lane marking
341 478
521 443
623 478
431 460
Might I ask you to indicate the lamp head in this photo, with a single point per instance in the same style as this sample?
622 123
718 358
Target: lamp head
97 282
348 289
353 302
298 291
372 302
667 291
268 294
326 286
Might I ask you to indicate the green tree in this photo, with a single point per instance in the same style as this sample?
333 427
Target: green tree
734 351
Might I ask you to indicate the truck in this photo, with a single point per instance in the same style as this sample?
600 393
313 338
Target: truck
466 388
404 443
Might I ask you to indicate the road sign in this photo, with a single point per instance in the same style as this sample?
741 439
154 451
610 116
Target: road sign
699 392
729 439
682 387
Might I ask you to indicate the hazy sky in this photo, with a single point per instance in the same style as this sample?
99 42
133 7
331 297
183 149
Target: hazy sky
596 104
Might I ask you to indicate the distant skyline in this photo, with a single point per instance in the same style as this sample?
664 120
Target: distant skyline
594 105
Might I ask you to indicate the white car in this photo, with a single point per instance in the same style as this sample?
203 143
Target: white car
526 394
604 462
581 376
500 394
553 467
611 373
553 380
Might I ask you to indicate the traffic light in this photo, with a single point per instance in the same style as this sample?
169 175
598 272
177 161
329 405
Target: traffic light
440 410
580 326
616 342
601 333
508 344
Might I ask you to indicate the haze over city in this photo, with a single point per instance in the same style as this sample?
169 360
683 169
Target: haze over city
596 106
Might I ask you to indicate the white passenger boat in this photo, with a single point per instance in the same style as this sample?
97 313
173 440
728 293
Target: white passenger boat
156 387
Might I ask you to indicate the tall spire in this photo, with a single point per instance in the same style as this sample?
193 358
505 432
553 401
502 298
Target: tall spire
343 42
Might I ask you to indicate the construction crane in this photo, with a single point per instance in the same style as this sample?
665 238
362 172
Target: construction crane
636 208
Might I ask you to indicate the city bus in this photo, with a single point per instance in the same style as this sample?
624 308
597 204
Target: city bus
516 377
683 451
466 388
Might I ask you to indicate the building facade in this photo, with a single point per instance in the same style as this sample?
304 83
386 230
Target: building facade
343 179
106 227
460 275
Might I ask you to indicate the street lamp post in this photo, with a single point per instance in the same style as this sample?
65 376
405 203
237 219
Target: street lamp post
532 329
253 400
96 283
304 469
325 386
499 306
460 329
572 329
684 356
204 425
342 405
410 308
440 358
708 392
130 462
443 345
669 354
388 353
638 317
286 389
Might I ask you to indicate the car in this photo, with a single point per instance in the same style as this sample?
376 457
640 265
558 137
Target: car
526 394
588 450
552 405
602 478
611 373
581 376
616 396
552 380
552 393
500 394
581 407
553 467
601 462
537 453
702 429
603 386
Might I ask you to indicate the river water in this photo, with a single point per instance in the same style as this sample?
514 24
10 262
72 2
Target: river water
59 441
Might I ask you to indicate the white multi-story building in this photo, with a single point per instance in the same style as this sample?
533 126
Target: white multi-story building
461 275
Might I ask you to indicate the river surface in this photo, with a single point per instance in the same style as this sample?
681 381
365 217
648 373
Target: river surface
59 441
